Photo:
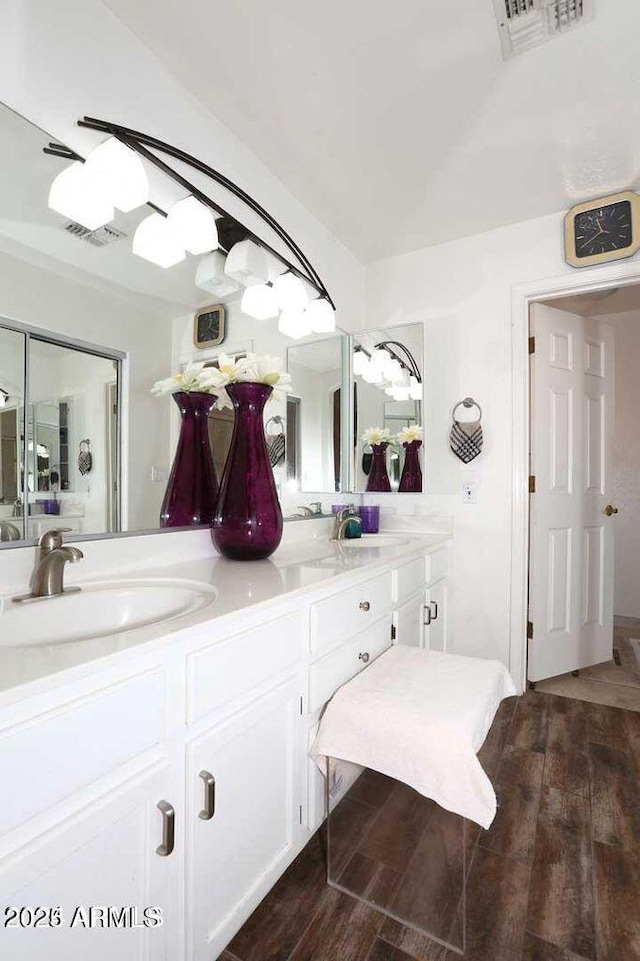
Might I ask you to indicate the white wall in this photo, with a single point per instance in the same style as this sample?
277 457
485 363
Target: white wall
626 462
462 292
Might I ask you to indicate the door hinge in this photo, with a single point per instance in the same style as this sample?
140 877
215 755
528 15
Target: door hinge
532 345
300 814
301 704
529 629
532 483
394 633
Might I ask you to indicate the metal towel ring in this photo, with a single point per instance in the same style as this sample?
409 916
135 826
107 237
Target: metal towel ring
277 420
467 403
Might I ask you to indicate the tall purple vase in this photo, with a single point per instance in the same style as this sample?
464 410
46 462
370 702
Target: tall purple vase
248 521
192 490
411 479
378 479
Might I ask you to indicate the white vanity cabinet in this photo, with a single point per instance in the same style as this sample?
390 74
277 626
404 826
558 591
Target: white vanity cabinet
436 600
181 779
90 802
244 784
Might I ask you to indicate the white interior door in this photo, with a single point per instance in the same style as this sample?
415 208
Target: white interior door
571 554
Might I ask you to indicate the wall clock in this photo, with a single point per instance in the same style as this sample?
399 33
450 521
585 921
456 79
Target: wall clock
601 230
209 327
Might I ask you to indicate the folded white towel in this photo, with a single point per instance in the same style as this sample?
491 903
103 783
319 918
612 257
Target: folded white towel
420 717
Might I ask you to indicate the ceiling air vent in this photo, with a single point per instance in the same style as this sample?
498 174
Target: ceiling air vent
98 238
527 23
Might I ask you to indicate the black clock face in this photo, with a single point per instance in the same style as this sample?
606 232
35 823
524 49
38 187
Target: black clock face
209 326
603 229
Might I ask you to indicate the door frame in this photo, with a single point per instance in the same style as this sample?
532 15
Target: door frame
587 280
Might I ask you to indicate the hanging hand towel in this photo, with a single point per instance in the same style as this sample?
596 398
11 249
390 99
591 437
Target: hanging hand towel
465 438
276 444
85 457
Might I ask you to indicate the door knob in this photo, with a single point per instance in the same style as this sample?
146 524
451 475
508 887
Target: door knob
610 509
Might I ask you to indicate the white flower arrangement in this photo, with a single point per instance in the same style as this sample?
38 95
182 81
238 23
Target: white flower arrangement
408 434
377 435
254 368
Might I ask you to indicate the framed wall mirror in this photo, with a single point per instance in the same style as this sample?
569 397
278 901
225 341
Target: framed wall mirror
87 327
388 409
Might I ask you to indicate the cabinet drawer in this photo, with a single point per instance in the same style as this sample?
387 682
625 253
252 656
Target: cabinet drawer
437 564
344 614
55 754
330 672
230 668
408 579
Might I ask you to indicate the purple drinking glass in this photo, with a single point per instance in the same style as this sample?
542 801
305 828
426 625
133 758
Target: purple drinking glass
411 479
378 479
248 521
192 490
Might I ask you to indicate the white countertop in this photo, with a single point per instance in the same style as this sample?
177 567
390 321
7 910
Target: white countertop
308 561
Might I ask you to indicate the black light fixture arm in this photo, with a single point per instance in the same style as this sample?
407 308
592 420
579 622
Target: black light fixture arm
144 145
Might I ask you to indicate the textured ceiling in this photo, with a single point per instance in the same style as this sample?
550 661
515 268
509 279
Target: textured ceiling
399 125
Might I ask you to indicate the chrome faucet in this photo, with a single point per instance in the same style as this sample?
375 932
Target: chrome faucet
342 520
48 576
9 532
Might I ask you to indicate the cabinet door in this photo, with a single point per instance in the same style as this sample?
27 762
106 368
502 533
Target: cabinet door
408 621
101 869
244 815
435 633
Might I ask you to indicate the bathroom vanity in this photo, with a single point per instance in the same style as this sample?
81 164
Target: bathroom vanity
167 765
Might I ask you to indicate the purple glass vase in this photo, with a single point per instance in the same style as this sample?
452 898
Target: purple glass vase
378 479
411 479
192 490
248 521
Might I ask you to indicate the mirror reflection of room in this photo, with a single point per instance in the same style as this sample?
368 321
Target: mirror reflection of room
388 404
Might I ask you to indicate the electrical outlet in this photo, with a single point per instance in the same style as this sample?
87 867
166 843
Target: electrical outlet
470 493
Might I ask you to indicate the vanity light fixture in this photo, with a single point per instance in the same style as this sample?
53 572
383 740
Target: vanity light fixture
210 276
4 396
247 264
193 225
155 241
321 316
122 172
294 323
291 292
360 363
415 388
259 301
82 196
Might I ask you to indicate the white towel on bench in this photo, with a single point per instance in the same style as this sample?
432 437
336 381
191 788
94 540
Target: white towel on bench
420 717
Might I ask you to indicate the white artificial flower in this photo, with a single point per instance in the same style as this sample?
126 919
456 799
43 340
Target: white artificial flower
254 368
376 435
408 434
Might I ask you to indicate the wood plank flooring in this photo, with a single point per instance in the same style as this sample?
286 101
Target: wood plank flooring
555 878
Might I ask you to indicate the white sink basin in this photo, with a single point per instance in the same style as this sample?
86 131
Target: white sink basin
99 609
374 540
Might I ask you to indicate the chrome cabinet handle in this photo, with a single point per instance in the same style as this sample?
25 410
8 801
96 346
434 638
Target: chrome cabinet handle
365 606
427 614
434 610
168 828
209 808
364 656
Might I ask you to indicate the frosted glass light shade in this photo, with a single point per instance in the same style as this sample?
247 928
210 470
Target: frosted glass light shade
247 264
415 388
210 276
321 316
377 359
291 292
395 372
155 241
294 324
371 374
260 302
360 363
275 267
80 195
193 225
123 173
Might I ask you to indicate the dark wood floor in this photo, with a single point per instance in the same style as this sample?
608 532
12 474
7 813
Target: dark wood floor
556 878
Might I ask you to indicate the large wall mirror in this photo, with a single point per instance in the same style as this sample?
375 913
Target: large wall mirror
388 405
86 328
